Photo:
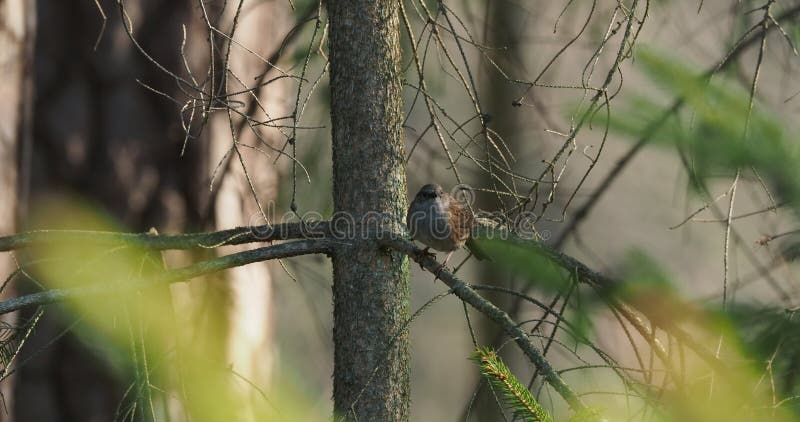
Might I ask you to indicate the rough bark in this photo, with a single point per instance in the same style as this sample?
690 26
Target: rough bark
370 288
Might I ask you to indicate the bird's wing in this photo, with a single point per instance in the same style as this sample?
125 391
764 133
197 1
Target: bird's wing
461 220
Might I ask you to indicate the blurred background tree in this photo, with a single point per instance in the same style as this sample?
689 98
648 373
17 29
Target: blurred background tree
99 135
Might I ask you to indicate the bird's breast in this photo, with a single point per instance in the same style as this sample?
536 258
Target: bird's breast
430 225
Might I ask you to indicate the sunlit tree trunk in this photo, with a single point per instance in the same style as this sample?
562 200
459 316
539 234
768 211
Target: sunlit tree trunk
241 202
16 32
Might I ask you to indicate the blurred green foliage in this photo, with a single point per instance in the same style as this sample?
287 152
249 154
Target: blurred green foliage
719 129
170 364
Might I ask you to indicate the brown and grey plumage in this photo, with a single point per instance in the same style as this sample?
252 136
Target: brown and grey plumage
439 220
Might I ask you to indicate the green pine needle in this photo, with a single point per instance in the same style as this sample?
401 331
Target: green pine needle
515 395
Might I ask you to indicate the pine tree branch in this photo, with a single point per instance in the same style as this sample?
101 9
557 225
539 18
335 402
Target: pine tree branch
516 396
283 250
235 236
470 296
605 286
313 230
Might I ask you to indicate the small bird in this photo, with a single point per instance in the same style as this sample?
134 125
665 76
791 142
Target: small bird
439 220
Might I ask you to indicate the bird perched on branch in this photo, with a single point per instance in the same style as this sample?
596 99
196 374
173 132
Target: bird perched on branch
439 220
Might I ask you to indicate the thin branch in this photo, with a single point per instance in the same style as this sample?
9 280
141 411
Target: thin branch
318 234
656 124
235 236
283 250
470 296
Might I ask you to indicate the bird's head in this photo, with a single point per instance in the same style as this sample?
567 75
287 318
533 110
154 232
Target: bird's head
429 191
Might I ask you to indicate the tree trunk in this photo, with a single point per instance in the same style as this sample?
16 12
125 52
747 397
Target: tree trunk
249 314
370 286
101 135
15 37
98 134
505 26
